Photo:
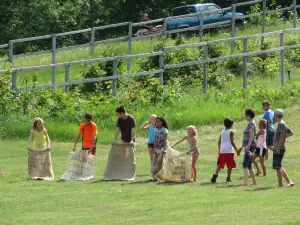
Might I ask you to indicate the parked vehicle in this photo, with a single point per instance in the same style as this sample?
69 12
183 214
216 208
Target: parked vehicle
210 18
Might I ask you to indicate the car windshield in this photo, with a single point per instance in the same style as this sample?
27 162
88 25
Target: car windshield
183 11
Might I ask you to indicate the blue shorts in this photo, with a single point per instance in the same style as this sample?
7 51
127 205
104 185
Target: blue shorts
277 160
247 163
150 145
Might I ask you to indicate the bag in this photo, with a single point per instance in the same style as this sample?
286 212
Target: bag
40 165
82 166
121 163
176 167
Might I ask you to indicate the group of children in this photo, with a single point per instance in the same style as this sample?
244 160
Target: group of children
255 143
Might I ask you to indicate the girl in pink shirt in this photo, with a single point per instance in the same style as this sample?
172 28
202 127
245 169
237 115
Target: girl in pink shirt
261 148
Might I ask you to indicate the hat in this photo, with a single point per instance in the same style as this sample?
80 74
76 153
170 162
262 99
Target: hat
279 112
266 102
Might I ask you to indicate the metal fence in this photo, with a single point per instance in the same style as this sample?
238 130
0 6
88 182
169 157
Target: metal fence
162 67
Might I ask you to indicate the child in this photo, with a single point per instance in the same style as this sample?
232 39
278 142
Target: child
39 158
282 132
150 126
160 145
88 130
249 145
191 138
261 148
39 136
226 153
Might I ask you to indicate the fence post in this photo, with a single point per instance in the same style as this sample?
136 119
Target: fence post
92 42
11 52
205 69
115 80
245 63
263 23
201 27
53 58
129 45
294 13
67 78
161 66
165 26
14 82
282 71
233 26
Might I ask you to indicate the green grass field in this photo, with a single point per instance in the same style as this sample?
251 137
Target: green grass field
94 202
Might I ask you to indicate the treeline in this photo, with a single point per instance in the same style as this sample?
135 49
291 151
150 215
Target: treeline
26 18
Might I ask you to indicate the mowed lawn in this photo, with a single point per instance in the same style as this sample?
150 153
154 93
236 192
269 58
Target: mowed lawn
141 202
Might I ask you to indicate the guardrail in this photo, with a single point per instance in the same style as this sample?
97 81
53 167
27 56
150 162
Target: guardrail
130 38
204 61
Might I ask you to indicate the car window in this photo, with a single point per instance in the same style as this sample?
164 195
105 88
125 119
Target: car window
183 11
214 8
202 8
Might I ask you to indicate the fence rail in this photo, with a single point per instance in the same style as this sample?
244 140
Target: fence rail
130 25
162 67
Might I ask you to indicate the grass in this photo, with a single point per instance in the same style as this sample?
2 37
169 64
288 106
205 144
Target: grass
94 202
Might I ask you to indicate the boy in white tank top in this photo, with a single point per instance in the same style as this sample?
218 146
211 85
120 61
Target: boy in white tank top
226 153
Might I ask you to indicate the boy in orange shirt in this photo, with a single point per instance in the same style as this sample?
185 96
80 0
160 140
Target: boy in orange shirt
88 131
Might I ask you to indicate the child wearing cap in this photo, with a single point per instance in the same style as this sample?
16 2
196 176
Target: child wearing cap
88 130
282 132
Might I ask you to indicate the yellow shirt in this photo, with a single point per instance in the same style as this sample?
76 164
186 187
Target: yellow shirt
39 140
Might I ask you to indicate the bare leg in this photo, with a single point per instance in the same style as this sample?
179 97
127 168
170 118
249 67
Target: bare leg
262 162
246 172
252 176
229 170
194 173
279 176
287 178
255 164
151 150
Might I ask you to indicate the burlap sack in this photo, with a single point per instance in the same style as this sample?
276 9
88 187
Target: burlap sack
176 167
157 163
40 165
121 163
82 166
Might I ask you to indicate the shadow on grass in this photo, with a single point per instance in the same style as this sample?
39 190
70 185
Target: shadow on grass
229 185
260 189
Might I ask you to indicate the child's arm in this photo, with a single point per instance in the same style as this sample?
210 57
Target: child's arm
232 143
76 141
145 126
179 142
29 141
47 140
219 145
195 142
165 142
132 135
116 135
260 132
251 131
281 141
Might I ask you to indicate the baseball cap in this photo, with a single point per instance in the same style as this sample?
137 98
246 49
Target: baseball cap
266 102
279 112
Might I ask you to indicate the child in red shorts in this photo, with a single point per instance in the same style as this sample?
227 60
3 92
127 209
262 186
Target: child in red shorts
226 153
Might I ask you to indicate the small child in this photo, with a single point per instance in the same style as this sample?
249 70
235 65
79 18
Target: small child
160 145
249 145
261 148
39 136
226 153
282 132
150 126
191 138
88 130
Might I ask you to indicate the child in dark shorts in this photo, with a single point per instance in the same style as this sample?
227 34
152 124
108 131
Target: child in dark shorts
261 148
249 145
282 132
